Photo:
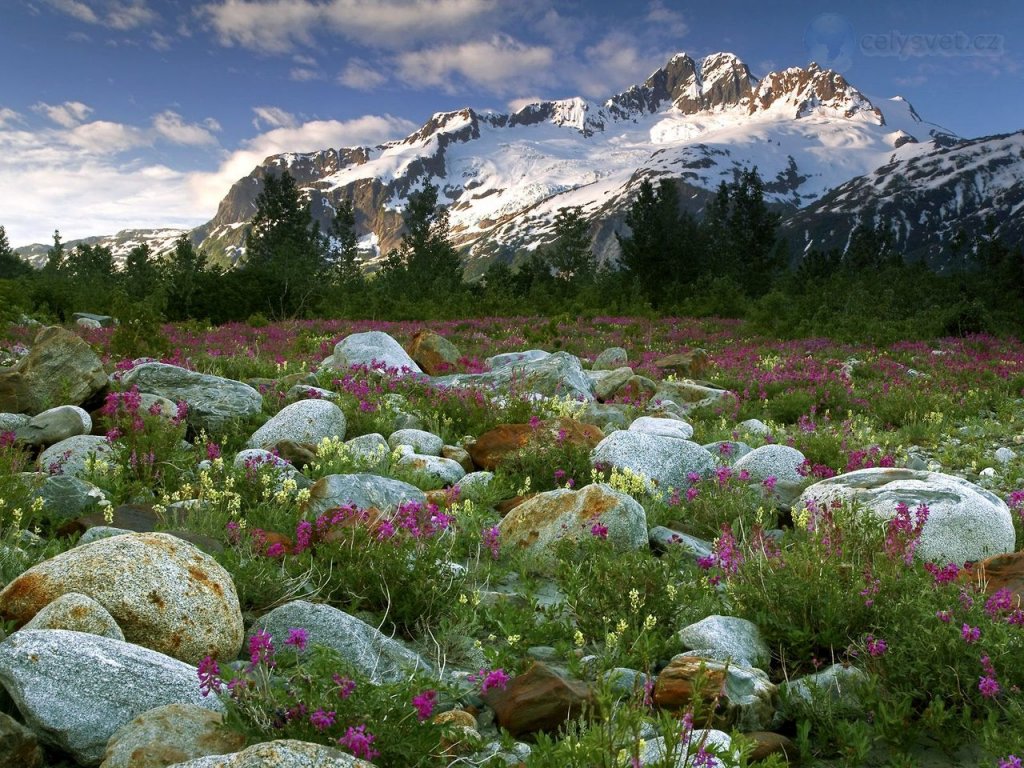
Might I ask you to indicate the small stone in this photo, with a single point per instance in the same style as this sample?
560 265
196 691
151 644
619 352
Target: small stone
1005 455
539 700
610 359
420 441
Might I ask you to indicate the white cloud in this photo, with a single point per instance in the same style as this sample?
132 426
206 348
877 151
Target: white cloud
615 62
273 117
116 14
361 76
68 115
667 20
172 127
501 64
76 9
304 75
277 26
8 116
514 105
102 137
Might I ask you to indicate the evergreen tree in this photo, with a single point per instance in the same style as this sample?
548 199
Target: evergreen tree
570 254
55 257
343 255
141 278
185 276
11 265
286 263
870 249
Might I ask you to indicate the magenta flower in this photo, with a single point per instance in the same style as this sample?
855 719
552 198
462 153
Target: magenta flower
875 646
357 740
424 704
297 638
1010 761
599 531
1000 602
321 719
490 538
345 685
261 648
209 676
988 686
769 483
495 678
944 616
970 634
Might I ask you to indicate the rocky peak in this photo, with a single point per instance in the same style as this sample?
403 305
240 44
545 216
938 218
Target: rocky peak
813 90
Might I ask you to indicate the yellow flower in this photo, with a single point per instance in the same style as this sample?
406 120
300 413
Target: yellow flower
579 639
622 626
513 640
650 622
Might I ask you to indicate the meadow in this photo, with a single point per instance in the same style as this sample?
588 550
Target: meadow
940 661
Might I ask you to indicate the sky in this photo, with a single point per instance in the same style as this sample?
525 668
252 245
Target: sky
120 114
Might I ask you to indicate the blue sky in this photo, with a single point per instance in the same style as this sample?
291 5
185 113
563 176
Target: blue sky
141 113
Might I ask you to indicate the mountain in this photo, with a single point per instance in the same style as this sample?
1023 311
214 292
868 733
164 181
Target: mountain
161 241
504 176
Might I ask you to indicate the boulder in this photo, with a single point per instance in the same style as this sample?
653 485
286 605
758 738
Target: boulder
557 375
966 523
778 461
360 490
834 689
283 753
428 473
539 700
611 358
64 497
306 421
77 612
508 358
101 321
60 368
690 393
171 734
607 384
370 453
19 746
663 462
56 424
74 455
368 650
75 689
541 521
433 353
660 426
733 637
419 440
506 439
164 593
12 422
213 402
373 349
655 752
686 365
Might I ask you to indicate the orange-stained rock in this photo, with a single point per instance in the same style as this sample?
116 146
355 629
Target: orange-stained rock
505 439
637 389
295 453
433 353
539 700
460 733
688 365
676 683
164 593
768 743
1001 572
505 506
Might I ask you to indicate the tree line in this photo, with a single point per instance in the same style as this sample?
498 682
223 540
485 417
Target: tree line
729 262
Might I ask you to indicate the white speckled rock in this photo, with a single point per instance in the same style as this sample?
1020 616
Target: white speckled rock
475 486
654 751
507 358
77 612
753 427
1005 455
75 689
361 490
371 349
306 421
213 402
370 453
663 461
429 473
422 442
164 593
965 522
736 638
653 425
258 458
170 734
837 685
72 456
370 651
283 753
610 359
778 461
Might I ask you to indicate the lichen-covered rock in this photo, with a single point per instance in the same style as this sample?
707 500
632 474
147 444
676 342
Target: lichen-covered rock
306 421
606 384
75 689
370 453
164 593
541 521
494 362
77 612
611 358
503 440
75 455
965 522
283 753
61 368
213 402
663 462
171 734
433 353
429 473
360 490
557 375
367 649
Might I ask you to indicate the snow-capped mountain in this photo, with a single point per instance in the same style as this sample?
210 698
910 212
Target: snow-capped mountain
160 241
505 176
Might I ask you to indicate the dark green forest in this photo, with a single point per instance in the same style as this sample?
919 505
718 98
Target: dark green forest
729 263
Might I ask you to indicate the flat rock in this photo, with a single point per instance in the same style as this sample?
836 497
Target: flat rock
305 421
75 689
966 523
164 593
283 753
371 652
213 401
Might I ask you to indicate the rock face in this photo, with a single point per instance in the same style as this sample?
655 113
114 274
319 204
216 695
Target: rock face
306 421
284 753
76 689
371 652
370 349
663 461
543 520
168 735
965 522
164 593
60 369
361 490
433 352
213 402
557 375
538 700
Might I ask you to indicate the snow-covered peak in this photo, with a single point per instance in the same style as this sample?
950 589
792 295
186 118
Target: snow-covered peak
800 92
